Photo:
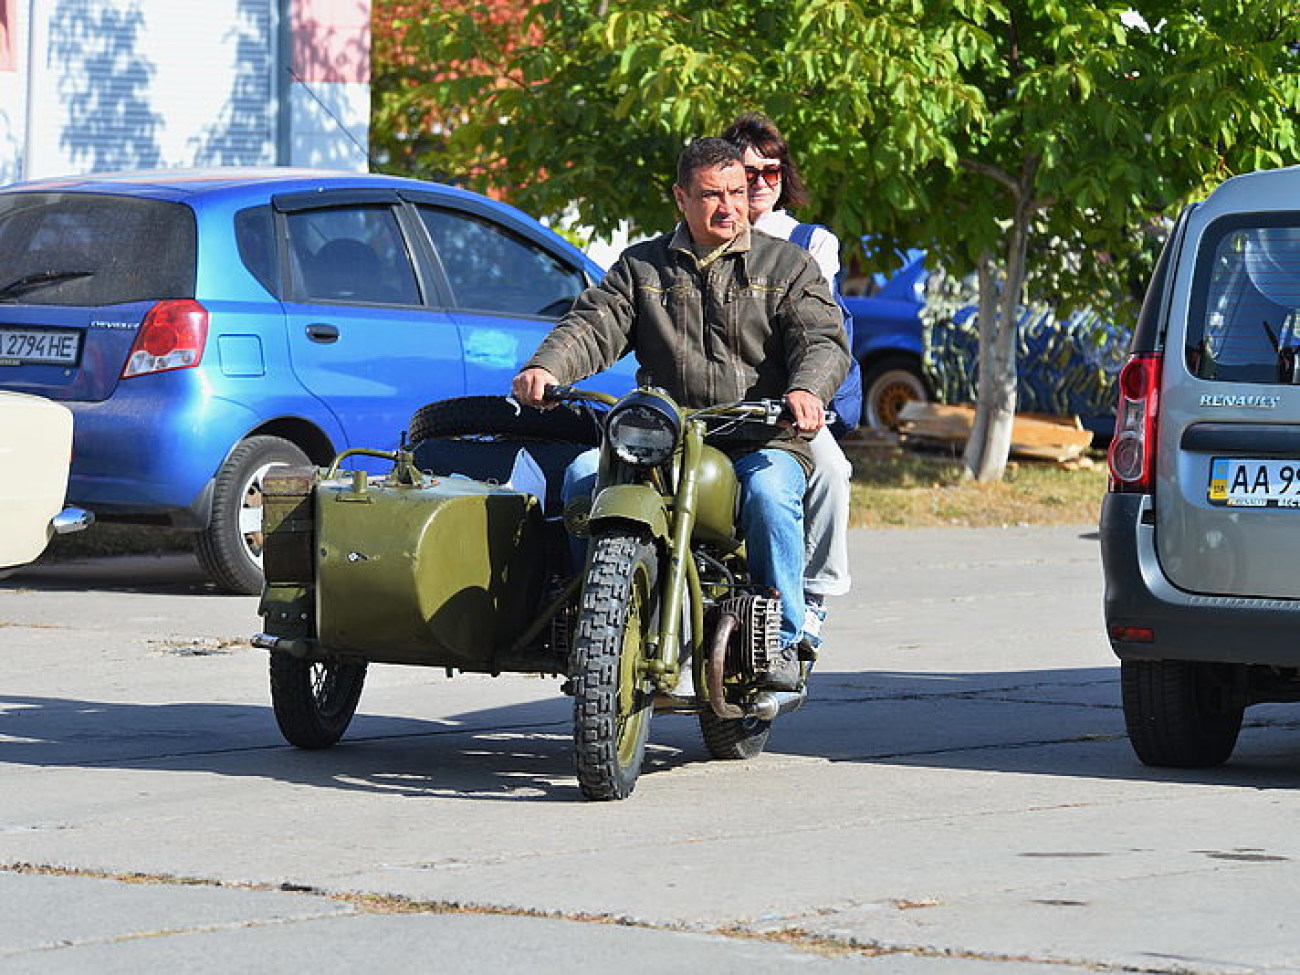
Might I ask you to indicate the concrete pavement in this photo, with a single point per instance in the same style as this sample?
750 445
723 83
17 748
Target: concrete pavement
957 796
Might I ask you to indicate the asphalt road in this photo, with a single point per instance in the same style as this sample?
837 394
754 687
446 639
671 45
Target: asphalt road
958 796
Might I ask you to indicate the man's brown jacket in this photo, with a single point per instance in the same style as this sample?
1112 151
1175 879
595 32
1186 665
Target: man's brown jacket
753 320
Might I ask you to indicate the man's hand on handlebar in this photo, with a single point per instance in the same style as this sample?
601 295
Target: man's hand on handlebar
808 412
529 387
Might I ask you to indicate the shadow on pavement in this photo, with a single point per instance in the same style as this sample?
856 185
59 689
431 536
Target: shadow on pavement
1063 722
172 574
1049 722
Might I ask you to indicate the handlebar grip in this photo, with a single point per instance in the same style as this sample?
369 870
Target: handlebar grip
555 392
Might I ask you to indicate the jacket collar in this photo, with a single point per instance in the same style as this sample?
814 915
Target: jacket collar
682 242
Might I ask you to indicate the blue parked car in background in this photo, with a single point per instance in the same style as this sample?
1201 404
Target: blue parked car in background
1065 365
887 341
206 325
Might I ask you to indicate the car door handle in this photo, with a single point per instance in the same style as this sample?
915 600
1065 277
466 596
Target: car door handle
322 332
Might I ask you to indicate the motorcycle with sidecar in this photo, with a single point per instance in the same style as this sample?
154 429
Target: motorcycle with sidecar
462 556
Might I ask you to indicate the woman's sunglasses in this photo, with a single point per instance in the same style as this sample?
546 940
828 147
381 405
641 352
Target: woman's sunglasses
771 175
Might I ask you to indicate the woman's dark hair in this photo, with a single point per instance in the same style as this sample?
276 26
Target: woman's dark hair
758 132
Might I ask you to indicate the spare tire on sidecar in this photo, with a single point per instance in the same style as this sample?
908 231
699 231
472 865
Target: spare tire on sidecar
358 568
480 437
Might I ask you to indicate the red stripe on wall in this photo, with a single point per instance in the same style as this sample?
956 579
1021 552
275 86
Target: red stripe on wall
8 35
331 40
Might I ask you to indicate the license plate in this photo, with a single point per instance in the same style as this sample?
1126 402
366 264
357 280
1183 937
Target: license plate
1254 483
38 346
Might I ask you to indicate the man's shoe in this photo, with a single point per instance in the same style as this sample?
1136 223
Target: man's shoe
783 670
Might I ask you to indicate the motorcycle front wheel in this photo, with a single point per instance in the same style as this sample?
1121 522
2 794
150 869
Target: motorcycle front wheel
613 700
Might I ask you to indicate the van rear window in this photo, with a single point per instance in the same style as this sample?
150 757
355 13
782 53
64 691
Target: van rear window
94 249
1245 320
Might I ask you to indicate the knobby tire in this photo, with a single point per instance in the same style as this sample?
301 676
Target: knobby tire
613 701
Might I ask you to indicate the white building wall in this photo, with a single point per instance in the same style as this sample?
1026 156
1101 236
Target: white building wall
329 125
130 84
329 97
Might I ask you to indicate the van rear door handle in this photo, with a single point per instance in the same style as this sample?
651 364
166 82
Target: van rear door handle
322 332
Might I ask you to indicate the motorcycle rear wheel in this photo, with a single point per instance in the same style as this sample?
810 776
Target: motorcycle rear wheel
613 701
734 739
314 701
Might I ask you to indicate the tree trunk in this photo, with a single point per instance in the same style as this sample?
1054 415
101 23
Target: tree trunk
986 318
999 330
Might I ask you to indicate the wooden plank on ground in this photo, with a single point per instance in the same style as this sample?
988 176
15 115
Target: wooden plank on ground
1033 436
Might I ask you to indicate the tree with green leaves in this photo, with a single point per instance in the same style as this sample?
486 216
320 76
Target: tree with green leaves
1004 136
1101 119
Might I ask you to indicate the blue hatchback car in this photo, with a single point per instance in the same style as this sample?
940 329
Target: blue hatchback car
205 325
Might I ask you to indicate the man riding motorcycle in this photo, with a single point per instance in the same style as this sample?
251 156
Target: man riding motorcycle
715 312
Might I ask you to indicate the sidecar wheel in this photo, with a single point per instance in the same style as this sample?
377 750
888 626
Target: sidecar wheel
613 700
734 739
314 701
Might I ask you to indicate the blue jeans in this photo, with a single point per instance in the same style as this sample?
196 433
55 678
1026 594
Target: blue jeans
772 484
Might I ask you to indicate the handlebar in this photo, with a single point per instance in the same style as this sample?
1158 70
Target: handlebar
771 412
566 393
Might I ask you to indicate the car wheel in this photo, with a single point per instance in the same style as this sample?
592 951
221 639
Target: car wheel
230 548
1180 713
887 386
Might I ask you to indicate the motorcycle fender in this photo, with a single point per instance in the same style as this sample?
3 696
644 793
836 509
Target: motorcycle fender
637 503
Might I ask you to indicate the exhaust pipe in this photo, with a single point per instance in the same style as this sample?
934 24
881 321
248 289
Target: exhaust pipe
765 706
717 654
296 648
770 704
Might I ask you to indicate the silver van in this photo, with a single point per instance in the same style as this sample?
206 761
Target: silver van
1200 531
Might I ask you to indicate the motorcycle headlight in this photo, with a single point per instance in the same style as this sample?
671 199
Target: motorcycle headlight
643 430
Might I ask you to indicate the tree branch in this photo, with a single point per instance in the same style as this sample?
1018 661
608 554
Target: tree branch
993 173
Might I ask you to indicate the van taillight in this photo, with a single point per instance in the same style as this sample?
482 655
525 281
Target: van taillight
171 336
1132 450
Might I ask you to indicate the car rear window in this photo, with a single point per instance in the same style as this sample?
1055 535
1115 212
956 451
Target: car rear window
94 249
1245 318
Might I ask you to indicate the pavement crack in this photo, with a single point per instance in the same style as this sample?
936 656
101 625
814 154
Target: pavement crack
373 903
1084 738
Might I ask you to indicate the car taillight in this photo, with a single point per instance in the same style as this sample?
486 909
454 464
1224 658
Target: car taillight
171 336
1131 457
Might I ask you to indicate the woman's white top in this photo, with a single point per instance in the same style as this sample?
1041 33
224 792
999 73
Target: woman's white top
824 245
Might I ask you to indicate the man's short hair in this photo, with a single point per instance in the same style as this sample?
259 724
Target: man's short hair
704 153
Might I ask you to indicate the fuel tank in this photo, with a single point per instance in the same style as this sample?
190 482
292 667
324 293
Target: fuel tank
442 572
718 499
